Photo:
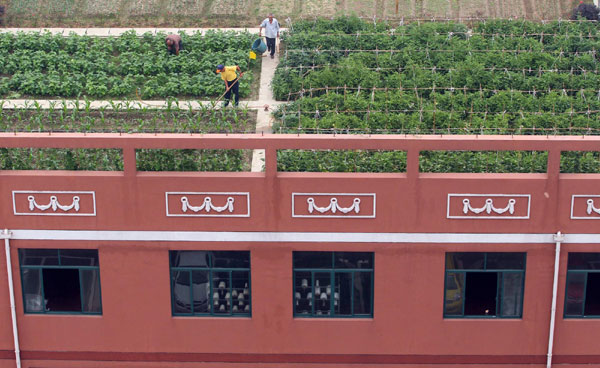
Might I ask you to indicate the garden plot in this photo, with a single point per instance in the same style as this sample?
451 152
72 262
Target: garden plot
499 77
320 8
186 7
127 66
143 7
406 8
228 7
277 7
126 119
101 7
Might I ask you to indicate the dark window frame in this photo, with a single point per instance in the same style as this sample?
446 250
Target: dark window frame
501 272
60 266
570 273
210 270
333 271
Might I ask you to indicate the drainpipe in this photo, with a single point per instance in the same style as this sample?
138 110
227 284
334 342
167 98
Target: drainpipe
558 238
11 290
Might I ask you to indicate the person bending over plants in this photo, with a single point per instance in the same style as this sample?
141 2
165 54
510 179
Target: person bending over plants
174 44
588 11
231 79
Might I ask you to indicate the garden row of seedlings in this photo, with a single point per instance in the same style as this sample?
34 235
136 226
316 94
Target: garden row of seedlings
125 67
496 77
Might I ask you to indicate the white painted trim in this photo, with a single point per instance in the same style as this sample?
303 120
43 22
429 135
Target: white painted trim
374 195
324 237
11 292
247 194
590 217
93 193
528 196
558 238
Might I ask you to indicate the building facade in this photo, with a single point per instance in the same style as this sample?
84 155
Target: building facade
274 269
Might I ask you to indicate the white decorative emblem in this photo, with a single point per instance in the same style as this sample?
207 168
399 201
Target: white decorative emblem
339 205
333 206
591 208
583 207
488 207
208 204
495 206
54 203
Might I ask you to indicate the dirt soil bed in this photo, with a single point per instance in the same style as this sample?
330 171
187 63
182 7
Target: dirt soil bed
248 13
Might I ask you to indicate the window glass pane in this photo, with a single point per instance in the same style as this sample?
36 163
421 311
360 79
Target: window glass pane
221 292
342 303
231 259
240 294
312 260
34 257
512 294
201 291
575 293
79 257
505 261
181 292
592 295
32 290
303 293
189 258
480 293
61 290
362 292
353 260
321 299
464 261
455 284
584 261
90 285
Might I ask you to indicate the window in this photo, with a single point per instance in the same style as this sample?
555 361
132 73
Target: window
333 284
484 285
582 294
60 280
210 283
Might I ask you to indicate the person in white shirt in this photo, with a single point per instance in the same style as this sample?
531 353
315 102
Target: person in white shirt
271 26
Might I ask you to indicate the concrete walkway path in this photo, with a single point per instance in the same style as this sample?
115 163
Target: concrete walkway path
264 118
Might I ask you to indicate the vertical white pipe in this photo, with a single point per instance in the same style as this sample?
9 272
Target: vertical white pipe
11 290
558 238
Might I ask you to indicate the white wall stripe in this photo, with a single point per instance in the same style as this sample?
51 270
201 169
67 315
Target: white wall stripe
209 236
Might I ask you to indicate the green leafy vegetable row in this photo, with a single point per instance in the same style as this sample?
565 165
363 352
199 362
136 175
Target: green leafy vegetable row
495 77
128 65
128 120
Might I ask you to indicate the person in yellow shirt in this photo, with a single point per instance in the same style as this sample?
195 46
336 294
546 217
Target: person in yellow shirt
231 79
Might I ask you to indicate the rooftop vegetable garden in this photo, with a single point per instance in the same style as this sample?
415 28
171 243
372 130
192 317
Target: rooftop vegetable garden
494 77
125 118
128 66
